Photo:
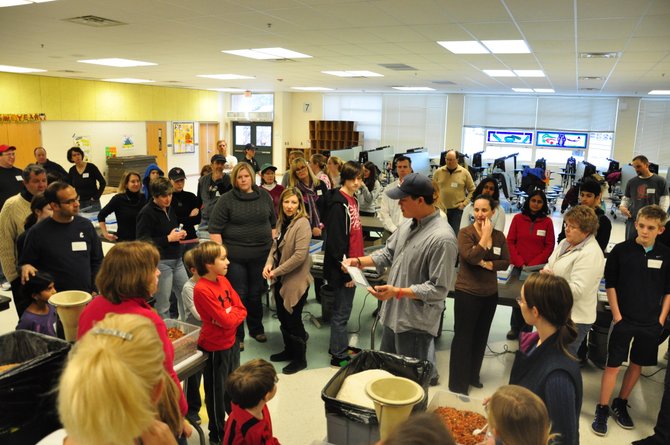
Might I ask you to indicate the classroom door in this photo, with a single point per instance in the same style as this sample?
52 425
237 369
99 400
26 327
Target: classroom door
209 134
157 143
25 137
257 133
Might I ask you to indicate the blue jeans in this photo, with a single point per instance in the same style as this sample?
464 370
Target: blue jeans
415 344
454 218
246 277
582 330
339 340
171 280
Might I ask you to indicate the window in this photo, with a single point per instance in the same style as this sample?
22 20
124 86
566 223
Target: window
653 131
255 102
364 109
600 148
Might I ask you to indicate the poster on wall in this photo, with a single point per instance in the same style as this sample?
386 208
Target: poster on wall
83 142
183 138
128 142
509 137
110 152
561 139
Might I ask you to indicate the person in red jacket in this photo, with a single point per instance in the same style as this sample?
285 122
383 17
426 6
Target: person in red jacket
530 241
251 387
221 312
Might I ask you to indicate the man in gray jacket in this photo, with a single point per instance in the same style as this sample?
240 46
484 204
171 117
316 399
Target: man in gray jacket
421 255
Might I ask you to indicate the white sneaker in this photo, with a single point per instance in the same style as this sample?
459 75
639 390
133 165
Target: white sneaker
5 286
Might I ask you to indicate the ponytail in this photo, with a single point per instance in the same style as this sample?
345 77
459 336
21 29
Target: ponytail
567 334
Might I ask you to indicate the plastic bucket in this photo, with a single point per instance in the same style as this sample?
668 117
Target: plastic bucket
69 305
394 398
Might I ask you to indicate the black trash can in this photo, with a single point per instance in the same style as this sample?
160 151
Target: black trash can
27 391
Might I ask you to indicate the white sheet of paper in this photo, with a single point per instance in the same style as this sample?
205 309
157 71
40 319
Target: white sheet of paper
357 275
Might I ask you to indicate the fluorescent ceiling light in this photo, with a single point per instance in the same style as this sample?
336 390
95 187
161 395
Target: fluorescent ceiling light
414 88
312 88
660 92
129 80
19 69
268 53
116 62
464 47
529 73
507 46
225 76
228 90
544 90
6 3
523 90
499 73
353 73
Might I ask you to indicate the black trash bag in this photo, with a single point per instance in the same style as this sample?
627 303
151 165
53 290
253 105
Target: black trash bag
416 370
27 392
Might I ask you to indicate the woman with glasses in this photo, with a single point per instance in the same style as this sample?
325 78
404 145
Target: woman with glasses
543 363
530 241
86 179
482 252
580 261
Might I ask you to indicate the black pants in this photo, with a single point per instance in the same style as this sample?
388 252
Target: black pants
517 322
193 394
20 302
472 322
292 323
246 277
217 369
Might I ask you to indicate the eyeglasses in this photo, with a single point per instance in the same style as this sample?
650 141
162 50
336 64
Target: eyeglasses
70 201
570 226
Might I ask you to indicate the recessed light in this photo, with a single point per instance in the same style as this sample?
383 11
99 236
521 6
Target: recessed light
6 3
414 88
267 53
529 73
353 73
605 55
591 78
228 90
312 88
116 62
19 69
507 46
499 73
523 90
129 80
225 76
660 92
464 47
544 90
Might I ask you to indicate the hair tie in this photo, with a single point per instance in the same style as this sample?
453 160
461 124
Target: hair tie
113 332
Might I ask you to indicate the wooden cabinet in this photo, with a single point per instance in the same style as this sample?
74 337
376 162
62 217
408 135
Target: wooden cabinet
333 135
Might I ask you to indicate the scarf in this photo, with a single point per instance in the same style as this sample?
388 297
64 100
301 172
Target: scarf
310 198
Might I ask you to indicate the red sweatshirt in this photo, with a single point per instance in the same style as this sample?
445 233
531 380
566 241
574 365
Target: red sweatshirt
100 306
221 311
242 428
530 242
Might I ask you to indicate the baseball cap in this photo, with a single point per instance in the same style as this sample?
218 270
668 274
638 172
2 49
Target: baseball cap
414 184
268 165
176 174
4 148
218 158
250 147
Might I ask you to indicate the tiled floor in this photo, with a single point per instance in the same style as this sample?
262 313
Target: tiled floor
298 411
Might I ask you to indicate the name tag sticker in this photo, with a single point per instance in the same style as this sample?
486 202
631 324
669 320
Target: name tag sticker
654 264
454 185
228 309
541 233
19 178
496 250
651 191
79 246
85 175
319 192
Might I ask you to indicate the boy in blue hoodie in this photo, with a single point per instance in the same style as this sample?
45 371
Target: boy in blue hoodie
152 172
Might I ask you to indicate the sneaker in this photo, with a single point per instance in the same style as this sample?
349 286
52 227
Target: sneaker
599 425
241 346
435 381
620 414
340 362
7 286
512 334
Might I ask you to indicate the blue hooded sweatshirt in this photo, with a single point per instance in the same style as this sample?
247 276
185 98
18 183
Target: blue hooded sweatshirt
145 180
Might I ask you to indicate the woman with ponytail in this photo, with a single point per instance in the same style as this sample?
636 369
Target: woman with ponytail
543 363
115 389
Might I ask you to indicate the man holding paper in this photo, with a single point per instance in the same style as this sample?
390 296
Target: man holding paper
421 255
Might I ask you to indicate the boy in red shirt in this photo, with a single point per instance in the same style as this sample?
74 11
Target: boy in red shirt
251 387
221 311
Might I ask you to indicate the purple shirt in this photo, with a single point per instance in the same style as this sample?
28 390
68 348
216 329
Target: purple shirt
42 324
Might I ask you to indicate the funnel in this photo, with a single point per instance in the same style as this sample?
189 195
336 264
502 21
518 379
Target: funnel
69 305
394 399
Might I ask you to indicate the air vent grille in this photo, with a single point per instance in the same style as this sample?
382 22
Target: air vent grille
398 67
95 21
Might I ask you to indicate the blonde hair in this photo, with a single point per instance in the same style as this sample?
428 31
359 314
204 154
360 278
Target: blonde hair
128 271
337 161
287 193
106 392
236 171
206 253
123 184
518 416
218 150
293 177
